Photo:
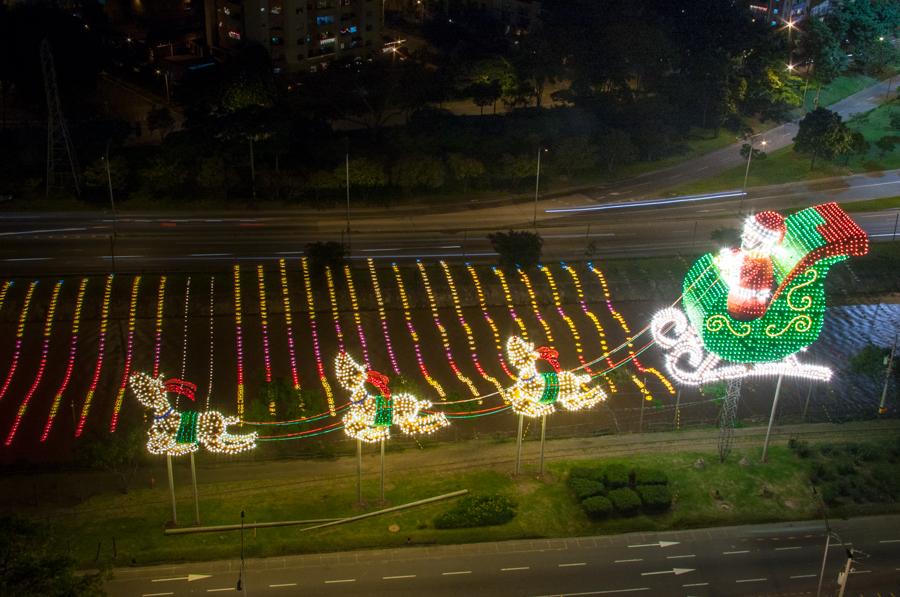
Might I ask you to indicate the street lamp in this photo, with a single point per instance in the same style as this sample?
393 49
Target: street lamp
747 171
537 184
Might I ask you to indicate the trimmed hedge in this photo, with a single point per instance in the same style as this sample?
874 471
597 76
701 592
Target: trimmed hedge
616 476
650 476
585 488
625 500
655 498
477 511
594 473
597 507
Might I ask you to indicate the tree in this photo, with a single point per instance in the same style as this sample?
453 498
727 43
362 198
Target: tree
823 134
216 176
514 168
119 453
464 169
517 248
821 47
95 175
758 154
871 361
33 564
160 119
616 149
858 146
575 155
163 175
887 144
877 56
485 94
418 172
365 173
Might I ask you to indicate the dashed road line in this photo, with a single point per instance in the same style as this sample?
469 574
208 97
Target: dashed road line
398 576
687 555
860 571
731 553
796 576
222 590
696 584
284 584
787 548
454 573
606 592
515 568
631 560
890 541
752 580
339 580
157 594
571 564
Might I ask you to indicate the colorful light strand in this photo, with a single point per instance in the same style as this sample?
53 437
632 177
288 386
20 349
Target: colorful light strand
557 302
534 306
264 318
335 313
442 331
129 351
509 301
382 316
101 350
470 337
73 347
482 303
288 318
212 328
407 315
348 275
184 333
239 339
45 348
20 333
157 340
3 290
311 310
601 334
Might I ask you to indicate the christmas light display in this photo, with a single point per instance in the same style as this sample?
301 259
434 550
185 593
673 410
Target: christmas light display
557 302
371 416
212 344
264 319
348 276
758 306
509 301
311 310
482 303
601 334
407 315
4 288
382 316
157 340
335 312
101 350
176 433
239 339
129 352
442 331
470 337
184 331
45 348
536 394
288 319
534 306
70 365
20 333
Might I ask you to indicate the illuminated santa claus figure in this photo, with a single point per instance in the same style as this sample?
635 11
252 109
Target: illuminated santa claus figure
749 270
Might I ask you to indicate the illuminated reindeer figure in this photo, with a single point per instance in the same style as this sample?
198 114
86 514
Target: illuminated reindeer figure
175 433
535 394
370 416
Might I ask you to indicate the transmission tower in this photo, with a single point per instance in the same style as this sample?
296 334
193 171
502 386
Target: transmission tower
59 144
727 417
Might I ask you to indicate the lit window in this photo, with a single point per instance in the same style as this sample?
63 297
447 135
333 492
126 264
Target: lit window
234 34
325 20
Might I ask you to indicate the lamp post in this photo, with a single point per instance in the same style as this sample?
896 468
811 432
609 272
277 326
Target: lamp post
347 184
537 184
112 205
747 172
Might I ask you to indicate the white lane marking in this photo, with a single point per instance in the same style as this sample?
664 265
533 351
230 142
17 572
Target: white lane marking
729 553
220 590
284 584
860 571
29 259
456 572
515 568
398 576
110 257
572 564
752 580
687 555
23 232
331 582
786 548
696 584
289 253
607 592
657 544
156 594
210 254
624 561
803 576
890 541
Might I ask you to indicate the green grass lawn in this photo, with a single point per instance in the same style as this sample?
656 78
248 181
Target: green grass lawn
786 165
545 509
843 86
873 204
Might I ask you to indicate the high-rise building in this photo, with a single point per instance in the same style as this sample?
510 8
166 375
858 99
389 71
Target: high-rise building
779 12
299 34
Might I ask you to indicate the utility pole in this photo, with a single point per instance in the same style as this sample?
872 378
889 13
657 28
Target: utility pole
887 378
537 185
172 489
772 418
519 446
112 205
58 139
845 573
347 183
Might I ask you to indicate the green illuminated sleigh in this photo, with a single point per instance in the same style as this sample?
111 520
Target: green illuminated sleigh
816 239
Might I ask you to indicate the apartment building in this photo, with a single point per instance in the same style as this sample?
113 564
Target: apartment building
299 34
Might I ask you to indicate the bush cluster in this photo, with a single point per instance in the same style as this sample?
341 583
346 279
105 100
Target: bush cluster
617 490
849 474
477 511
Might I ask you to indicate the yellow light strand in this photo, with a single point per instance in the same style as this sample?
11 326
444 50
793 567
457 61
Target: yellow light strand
590 315
407 315
351 289
482 303
288 318
129 352
311 311
239 339
101 349
557 301
534 306
509 302
382 316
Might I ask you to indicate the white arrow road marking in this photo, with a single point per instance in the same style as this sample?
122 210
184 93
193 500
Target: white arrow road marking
675 571
657 544
189 578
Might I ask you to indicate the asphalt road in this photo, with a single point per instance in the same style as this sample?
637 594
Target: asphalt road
782 559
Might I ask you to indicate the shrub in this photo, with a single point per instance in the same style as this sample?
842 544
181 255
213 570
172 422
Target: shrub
655 498
597 507
650 476
869 452
830 494
594 473
615 476
585 488
625 500
477 511
800 447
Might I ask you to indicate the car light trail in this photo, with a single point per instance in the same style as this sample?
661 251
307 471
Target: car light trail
311 310
646 203
101 350
129 352
404 300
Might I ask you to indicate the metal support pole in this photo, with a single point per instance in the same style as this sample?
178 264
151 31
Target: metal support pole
382 471
196 495
824 559
519 446
347 183
359 471
806 404
771 418
887 379
537 185
543 435
171 488
677 409
641 421
845 573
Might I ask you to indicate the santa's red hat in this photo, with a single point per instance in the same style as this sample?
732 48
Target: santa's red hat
768 226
